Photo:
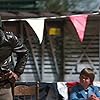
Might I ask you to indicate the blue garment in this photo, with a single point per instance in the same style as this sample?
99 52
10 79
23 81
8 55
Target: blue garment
78 92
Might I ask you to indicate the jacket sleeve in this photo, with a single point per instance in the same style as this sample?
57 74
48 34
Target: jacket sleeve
97 91
75 95
21 53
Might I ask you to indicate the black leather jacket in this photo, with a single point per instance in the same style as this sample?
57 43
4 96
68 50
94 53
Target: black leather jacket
9 44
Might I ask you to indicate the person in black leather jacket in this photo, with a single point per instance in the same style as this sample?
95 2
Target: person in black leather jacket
9 44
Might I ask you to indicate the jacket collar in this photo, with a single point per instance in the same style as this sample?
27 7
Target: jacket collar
86 93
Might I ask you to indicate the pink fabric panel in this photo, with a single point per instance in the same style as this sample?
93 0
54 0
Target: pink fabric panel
79 22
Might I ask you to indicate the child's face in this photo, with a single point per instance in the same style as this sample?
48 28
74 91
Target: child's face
85 81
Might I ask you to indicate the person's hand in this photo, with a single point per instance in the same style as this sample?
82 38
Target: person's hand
12 76
93 97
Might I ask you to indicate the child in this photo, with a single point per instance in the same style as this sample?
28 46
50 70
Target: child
85 90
